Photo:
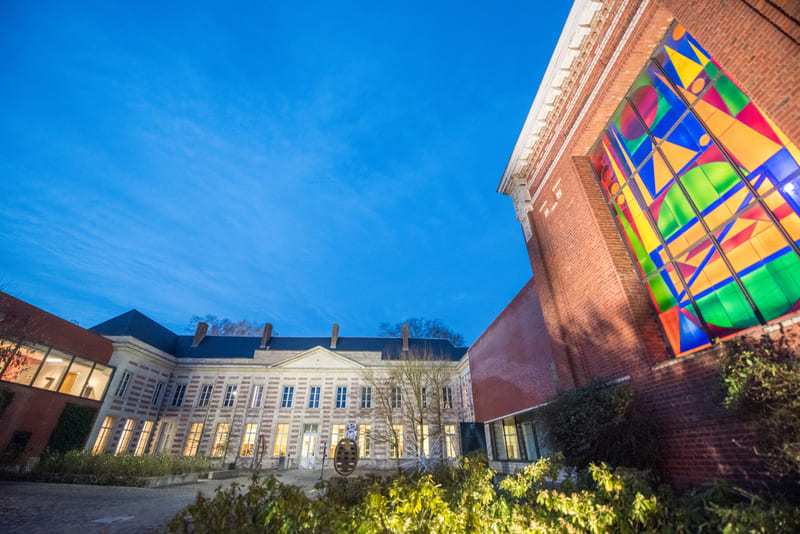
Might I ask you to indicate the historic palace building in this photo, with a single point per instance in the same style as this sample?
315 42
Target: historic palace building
279 401
657 183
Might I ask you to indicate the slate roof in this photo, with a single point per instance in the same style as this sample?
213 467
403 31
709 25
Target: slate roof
135 324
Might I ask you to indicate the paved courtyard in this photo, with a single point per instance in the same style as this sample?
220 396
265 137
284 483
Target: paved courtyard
29 508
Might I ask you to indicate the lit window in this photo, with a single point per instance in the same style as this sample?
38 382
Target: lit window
249 439
177 397
366 397
397 441
510 438
447 398
53 369
102 436
193 441
220 440
123 384
703 188
205 395
230 396
337 433
255 396
426 441
125 437
341 397
76 377
144 437
363 441
313 398
281 439
396 398
288 393
22 367
450 438
157 393
98 381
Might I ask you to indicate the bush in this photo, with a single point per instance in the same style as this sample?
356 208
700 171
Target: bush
601 423
463 499
124 469
74 425
761 383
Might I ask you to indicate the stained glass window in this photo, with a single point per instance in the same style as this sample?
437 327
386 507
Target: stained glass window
705 190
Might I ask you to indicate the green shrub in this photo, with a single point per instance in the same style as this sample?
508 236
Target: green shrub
74 425
601 423
761 383
124 469
462 499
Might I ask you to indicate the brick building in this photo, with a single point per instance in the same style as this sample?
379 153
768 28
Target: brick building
273 400
53 375
657 183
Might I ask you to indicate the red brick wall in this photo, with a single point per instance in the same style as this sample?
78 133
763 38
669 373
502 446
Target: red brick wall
595 309
36 411
510 364
38 326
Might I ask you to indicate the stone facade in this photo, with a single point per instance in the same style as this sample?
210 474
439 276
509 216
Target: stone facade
281 398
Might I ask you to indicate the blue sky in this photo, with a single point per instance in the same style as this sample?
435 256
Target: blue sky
298 163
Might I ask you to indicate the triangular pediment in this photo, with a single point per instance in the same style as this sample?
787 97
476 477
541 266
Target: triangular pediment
318 358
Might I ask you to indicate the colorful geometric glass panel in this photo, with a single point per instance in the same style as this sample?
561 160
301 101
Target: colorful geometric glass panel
705 189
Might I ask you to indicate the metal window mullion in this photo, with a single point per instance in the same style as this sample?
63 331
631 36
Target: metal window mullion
635 190
39 368
702 221
733 164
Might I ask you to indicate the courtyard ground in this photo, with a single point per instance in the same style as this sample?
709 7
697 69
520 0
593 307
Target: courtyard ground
29 508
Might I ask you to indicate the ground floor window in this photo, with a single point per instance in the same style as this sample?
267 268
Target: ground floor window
396 441
363 441
102 436
220 440
450 439
144 437
125 438
194 439
281 439
337 433
517 438
250 431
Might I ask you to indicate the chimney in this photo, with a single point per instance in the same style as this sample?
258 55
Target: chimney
334 335
265 337
200 333
405 338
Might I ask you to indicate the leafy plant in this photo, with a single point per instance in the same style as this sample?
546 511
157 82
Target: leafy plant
462 499
601 423
83 467
761 383
74 425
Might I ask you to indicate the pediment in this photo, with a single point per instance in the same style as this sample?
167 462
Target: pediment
319 358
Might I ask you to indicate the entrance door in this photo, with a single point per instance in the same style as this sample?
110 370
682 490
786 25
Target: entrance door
307 451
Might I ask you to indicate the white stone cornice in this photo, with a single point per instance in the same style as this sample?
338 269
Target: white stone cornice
575 30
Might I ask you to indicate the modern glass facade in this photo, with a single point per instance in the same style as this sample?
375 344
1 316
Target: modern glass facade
48 368
705 189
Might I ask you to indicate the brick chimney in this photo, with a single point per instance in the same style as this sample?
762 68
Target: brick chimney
266 336
405 337
334 335
200 333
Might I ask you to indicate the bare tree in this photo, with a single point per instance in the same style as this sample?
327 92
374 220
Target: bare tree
410 393
226 327
422 328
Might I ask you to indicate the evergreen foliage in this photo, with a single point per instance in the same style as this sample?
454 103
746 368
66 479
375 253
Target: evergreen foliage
601 423
761 383
74 425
